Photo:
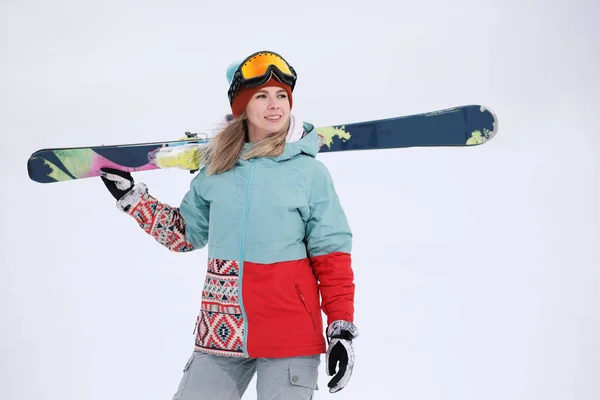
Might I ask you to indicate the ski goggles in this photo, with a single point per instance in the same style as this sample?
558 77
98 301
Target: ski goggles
257 70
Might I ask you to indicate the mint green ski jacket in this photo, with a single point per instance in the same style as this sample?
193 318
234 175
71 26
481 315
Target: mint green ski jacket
279 252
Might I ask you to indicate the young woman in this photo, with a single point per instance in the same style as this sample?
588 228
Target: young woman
279 247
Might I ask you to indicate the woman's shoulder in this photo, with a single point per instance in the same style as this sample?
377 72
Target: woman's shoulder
311 168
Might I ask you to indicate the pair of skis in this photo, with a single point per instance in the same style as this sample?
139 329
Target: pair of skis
470 125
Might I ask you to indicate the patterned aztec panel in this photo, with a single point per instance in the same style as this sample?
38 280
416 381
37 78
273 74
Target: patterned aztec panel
221 323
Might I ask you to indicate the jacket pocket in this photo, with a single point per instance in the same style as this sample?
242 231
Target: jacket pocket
306 307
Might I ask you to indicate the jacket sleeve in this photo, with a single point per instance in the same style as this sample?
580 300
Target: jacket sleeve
195 210
329 244
178 229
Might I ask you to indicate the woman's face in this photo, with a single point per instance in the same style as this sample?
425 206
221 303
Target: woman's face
267 112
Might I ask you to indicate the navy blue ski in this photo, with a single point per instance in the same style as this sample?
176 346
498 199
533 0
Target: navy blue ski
460 126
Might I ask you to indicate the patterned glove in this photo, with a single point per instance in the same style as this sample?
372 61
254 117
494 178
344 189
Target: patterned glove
117 182
121 185
340 350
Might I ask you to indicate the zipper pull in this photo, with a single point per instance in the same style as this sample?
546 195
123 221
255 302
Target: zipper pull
195 326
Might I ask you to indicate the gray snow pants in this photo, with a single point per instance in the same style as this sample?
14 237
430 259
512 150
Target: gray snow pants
206 376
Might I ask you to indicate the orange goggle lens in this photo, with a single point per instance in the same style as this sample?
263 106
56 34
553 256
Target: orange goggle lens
258 65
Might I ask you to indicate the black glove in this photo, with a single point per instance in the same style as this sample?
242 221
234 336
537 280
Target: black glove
118 182
340 350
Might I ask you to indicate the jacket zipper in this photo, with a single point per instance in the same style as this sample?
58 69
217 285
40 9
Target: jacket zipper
241 262
301 296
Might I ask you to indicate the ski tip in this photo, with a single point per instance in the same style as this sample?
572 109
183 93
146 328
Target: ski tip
38 171
494 130
29 172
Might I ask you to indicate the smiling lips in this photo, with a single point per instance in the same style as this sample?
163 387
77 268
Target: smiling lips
273 118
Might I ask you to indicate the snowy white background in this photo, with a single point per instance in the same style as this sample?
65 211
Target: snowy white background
477 269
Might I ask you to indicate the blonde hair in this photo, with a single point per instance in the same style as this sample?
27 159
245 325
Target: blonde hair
225 148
